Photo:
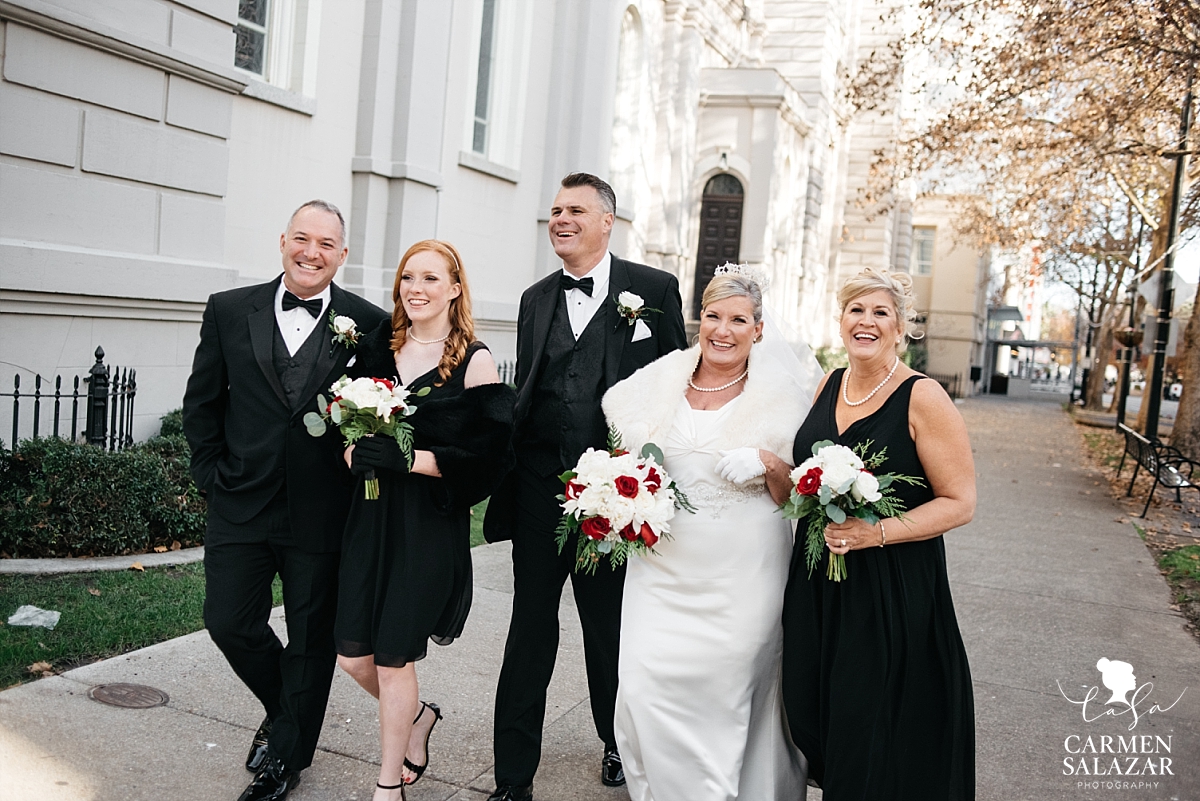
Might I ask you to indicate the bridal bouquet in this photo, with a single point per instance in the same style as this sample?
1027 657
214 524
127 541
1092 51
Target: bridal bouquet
366 406
616 504
837 482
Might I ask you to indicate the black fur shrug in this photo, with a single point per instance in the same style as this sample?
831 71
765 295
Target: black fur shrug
470 434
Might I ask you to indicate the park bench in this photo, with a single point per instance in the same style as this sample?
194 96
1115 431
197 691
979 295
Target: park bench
1169 467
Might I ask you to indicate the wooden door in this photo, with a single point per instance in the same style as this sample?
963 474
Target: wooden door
720 231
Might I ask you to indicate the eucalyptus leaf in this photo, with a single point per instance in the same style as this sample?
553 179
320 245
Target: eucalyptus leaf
316 431
604 546
818 445
423 391
825 495
652 451
835 513
313 420
322 404
335 413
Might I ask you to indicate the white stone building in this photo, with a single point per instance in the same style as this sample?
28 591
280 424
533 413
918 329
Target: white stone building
152 150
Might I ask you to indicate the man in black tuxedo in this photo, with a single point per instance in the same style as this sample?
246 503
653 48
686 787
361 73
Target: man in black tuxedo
277 497
572 345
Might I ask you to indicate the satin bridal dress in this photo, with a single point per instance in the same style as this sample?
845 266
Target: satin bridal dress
699 711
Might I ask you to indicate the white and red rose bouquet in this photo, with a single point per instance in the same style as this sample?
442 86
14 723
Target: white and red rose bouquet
362 407
837 482
617 504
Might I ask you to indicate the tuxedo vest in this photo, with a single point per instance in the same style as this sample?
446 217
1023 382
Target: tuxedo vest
564 416
294 370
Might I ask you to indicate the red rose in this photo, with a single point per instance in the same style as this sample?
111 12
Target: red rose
628 533
596 528
574 490
627 486
386 383
653 481
648 535
810 482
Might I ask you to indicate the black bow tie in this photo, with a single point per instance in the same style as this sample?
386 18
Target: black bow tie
582 284
312 305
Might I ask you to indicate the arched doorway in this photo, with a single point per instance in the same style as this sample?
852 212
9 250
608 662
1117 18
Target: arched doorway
720 231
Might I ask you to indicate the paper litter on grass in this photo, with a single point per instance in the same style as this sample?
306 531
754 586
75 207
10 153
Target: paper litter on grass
29 615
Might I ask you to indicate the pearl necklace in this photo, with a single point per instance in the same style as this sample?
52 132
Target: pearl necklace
870 394
718 389
426 341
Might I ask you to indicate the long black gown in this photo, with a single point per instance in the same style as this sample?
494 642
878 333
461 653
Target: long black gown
875 677
406 558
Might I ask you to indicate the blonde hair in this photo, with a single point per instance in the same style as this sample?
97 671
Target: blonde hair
898 285
462 323
732 285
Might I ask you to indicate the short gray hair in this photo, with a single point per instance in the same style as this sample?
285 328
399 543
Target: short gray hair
326 206
608 198
733 285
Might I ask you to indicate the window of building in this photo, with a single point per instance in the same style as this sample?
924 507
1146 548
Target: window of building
483 81
500 64
627 142
922 258
277 42
250 53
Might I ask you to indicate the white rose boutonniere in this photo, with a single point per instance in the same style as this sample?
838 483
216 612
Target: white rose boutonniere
345 330
632 307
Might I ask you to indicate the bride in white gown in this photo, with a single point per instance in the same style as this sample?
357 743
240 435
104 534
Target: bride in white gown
699 713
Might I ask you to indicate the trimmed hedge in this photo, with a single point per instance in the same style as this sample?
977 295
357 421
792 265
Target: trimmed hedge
60 498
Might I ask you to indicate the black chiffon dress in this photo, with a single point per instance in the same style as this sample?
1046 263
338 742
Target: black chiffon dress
875 677
405 573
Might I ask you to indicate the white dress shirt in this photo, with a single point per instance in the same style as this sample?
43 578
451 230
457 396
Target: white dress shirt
580 307
295 325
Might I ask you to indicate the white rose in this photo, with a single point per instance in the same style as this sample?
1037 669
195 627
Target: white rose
630 301
832 455
838 477
866 488
343 325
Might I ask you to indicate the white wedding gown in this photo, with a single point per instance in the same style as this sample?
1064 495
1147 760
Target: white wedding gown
699 714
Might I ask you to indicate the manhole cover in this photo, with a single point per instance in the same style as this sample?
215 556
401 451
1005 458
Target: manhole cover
129 696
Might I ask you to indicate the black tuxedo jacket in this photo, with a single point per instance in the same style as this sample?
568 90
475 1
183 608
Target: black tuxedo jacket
622 357
245 439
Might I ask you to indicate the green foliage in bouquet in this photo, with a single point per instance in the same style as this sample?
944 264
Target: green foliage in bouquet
824 507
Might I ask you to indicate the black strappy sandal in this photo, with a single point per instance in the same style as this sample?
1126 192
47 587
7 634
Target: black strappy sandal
419 770
399 787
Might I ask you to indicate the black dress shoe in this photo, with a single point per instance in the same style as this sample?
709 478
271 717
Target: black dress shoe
272 783
508 792
258 747
611 771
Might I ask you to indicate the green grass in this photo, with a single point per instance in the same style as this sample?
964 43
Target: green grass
477 523
1182 565
134 609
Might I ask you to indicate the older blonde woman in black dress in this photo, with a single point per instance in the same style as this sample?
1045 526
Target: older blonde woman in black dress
876 682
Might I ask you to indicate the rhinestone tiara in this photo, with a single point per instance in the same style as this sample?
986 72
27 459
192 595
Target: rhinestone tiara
755 274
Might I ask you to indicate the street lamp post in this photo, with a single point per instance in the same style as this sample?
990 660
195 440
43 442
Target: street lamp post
1166 295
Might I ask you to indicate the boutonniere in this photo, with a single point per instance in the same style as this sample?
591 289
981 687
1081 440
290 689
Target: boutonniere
345 331
632 307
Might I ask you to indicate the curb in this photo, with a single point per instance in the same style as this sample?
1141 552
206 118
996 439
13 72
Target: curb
93 564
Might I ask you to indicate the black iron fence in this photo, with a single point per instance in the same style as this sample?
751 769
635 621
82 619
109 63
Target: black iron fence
508 371
950 383
107 401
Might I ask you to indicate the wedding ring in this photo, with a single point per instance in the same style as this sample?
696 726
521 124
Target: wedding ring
843 543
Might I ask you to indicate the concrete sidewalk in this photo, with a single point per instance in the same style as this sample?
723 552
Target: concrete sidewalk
1045 581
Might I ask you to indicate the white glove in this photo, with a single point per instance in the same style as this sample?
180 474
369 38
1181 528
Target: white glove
740 465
